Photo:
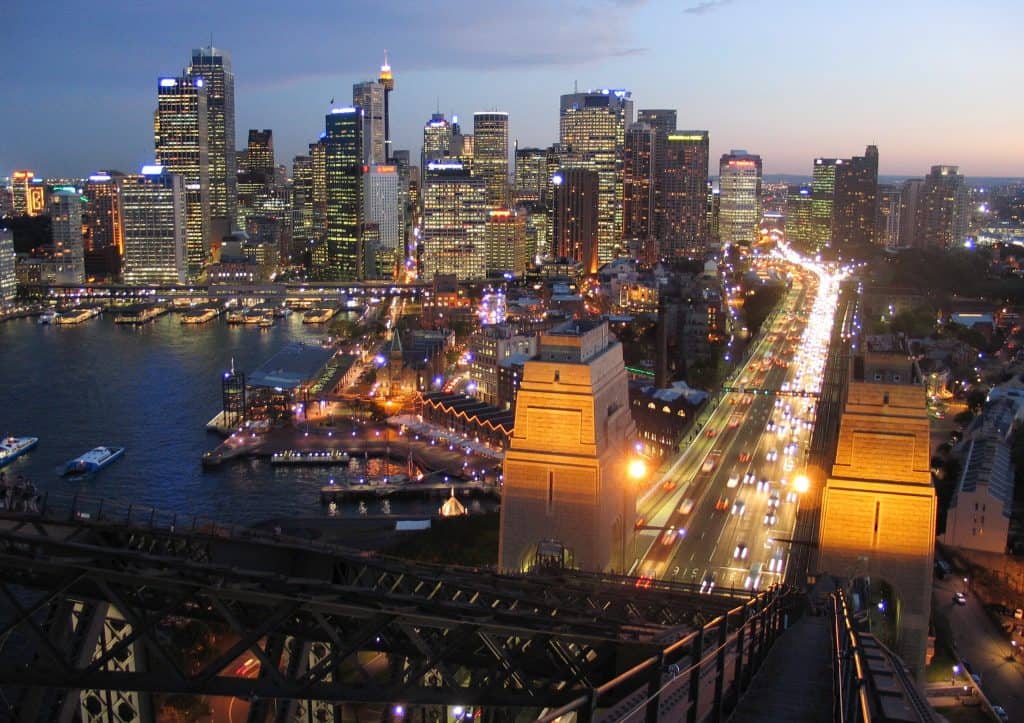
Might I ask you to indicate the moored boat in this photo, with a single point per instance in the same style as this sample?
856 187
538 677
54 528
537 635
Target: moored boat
93 461
13 447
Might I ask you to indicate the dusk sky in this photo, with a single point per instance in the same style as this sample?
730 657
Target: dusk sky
927 81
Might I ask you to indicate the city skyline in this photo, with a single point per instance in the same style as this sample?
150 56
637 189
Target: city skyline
806 98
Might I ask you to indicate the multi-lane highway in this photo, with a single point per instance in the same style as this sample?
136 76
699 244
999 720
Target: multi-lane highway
724 513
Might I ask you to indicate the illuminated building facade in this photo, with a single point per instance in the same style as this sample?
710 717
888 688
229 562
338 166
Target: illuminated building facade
638 185
343 175
530 175
576 216
437 139
592 134
683 192
887 220
798 216
490 154
302 204
65 212
213 66
505 242
369 96
823 194
8 275
259 155
565 488
941 214
856 200
739 183
181 134
153 208
879 508
455 213
386 78
494 344
28 195
380 207
104 222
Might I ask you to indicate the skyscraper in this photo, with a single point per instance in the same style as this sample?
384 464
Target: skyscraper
302 203
343 169
683 185
8 277
739 182
437 139
577 193
941 217
153 205
531 176
910 194
505 242
103 190
65 211
387 79
887 219
638 185
181 133
369 96
213 65
259 154
490 154
380 207
22 194
592 133
823 194
856 200
454 216
798 216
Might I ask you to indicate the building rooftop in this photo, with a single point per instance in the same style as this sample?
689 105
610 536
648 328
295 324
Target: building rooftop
295 365
988 463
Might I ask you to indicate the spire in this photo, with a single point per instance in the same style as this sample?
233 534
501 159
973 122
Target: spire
396 345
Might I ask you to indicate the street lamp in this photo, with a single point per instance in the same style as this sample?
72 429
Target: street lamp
801 483
956 672
637 469
1013 649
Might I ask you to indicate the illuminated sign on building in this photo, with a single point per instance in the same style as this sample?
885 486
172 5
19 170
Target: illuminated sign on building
36 200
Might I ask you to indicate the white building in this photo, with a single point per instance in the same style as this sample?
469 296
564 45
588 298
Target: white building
380 207
153 206
739 183
65 210
979 513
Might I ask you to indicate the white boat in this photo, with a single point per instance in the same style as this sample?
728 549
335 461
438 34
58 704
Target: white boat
48 317
93 461
13 447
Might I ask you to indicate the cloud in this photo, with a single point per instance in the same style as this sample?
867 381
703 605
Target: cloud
706 6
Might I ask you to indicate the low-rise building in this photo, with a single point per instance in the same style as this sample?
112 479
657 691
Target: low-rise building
979 513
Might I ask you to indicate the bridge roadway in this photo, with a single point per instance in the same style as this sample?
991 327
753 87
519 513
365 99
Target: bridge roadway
90 597
705 527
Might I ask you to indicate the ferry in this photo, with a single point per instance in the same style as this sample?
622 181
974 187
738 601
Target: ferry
236 316
318 316
76 316
252 316
13 447
93 461
48 317
200 315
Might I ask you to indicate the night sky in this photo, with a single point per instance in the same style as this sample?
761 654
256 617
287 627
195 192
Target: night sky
927 81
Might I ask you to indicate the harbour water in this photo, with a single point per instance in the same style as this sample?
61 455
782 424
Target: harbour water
151 389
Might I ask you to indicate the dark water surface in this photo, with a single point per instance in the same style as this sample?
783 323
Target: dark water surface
150 389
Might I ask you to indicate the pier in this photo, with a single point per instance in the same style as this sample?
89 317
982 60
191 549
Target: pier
340 493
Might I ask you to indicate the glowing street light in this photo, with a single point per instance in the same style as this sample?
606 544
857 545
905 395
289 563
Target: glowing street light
801 483
637 469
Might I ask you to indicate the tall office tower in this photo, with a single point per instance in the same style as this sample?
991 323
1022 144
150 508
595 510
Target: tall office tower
369 96
153 207
259 155
530 175
454 218
380 207
437 139
6 201
318 152
213 65
887 220
8 277
941 217
739 182
683 195
22 194
181 134
823 194
407 209
104 224
878 507
343 169
566 494
662 120
856 200
638 184
461 146
387 80
505 242
303 229
799 230
576 216
910 194
65 212
592 132
490 154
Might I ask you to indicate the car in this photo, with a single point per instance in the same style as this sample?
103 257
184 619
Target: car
644 583
669 536
791 496
711 433
763 485
959 598
733 481
739 507
741 551
772 455
669 485
773 499
707 584
722 504
686 507
770 519
640 522
1001 713
775 564
748 478
770 427
745 457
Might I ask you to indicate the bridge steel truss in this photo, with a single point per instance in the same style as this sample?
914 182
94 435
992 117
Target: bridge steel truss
92 605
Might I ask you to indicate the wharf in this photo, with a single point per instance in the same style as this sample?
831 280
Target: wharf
340 493
139 313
